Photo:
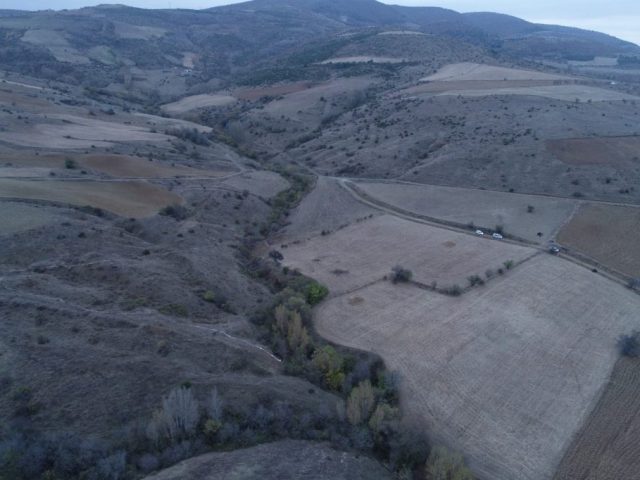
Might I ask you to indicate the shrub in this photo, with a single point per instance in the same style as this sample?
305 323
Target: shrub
315 293
475 280
401 275
175 211
509 264
444 465
629 345
530 208
177 419
360 403
70 164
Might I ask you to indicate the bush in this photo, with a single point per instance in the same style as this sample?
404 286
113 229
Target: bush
315 293
70 164
177 419
629 345
444 465
475 280
509 264
175 211
401 275
360 403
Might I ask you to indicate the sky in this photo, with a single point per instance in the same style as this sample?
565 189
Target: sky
620 18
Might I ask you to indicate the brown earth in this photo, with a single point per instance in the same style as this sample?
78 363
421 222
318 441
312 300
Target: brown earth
608 447
611 151
253 94
608 234
129 199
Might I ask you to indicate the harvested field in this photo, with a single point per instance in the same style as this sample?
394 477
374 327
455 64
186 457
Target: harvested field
284 459
327 208
362 59
194 102
607 447
612 151
367 251
483 208
474 71
403 32
253 94
465 85
609 234
137 32
72 132
128 199
567 93
167 123
508 372
122 166
17 217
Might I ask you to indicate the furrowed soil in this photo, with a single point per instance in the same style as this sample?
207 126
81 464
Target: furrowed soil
508 372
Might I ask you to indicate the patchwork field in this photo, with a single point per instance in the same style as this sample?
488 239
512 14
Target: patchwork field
611 151
194 102
607 233
367 251
480 207
73 132
607 446
468 71
128 199
506 373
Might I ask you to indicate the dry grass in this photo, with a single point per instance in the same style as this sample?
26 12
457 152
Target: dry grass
194 102
607 447
17 217
367 251
362 59
567 93
612 151
607 233
506 373
75 132
128 199
253 94
484 208
475 71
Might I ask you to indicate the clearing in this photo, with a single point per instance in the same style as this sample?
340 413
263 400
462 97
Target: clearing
194 102
609 234
366 251
607 447
483 208
128 199
508 372
612 151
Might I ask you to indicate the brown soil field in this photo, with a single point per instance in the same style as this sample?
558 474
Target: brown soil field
508 372
128 199
327 208
608 446
476 71
253 94
611 151
609 234
122 166
279 460
194 102
441 87
17 217
567 93
484 208
367 251
77 132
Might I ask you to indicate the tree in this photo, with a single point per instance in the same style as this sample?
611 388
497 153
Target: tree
629 345
297 335
401 275
360 403
330 364
444 465
177 419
